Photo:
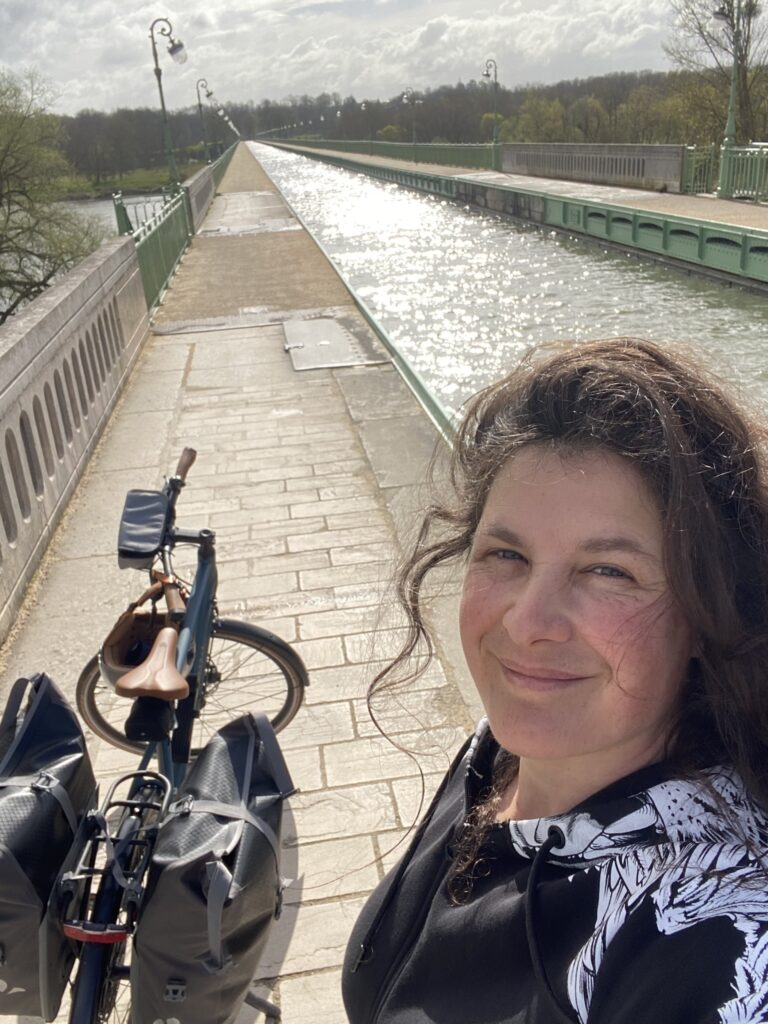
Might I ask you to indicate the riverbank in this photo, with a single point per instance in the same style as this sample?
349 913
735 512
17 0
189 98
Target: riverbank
141 182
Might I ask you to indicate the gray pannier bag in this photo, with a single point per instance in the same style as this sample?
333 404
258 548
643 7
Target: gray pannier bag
214 883
46 788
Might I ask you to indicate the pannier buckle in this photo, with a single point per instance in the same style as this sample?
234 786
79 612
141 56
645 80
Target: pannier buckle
44 781
183 806
175 991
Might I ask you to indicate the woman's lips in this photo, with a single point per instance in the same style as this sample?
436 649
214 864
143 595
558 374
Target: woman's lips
539 677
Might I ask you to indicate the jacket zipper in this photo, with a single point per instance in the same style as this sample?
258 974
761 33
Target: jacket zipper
399 964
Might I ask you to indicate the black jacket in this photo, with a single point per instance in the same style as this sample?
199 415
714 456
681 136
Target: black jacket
641 906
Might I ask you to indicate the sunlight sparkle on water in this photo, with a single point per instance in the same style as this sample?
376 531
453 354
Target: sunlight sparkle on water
463 293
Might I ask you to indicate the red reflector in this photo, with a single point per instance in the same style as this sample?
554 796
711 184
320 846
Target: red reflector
87 931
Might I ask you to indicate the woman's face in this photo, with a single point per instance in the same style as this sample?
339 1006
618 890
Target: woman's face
569 628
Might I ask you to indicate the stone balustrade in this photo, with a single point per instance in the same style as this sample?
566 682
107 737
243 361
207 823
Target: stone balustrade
63 362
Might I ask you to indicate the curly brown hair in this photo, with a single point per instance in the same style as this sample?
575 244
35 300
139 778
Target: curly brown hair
703 459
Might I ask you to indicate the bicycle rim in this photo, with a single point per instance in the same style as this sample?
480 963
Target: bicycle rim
247 669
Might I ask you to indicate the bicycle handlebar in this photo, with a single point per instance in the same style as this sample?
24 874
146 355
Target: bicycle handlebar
186 461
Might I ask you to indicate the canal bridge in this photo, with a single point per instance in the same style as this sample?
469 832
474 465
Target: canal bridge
312 459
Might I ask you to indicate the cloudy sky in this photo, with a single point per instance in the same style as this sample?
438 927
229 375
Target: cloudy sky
97 53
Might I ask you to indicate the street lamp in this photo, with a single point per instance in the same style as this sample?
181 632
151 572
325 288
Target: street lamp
409 96
201 83
723 13
339 129
179 54
491 67
363 109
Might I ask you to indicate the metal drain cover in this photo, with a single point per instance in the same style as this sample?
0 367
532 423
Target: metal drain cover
322 343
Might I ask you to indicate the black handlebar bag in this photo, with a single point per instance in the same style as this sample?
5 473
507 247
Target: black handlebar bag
46 788
214 883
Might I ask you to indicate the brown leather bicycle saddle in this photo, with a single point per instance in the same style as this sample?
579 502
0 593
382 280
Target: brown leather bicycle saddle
157 676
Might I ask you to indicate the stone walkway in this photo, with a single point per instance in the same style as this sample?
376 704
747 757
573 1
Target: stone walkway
311 479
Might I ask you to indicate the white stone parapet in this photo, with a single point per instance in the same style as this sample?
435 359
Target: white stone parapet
63 362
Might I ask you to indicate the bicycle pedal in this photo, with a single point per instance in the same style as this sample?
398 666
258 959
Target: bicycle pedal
90 931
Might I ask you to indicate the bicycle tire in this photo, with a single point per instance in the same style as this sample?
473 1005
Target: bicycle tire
270 677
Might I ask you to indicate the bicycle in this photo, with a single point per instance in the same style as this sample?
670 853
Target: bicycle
189 672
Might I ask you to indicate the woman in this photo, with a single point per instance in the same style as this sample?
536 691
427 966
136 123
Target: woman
596 852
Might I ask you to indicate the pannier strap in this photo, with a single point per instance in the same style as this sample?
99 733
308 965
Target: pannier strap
274 755
222 810
46 783
219 883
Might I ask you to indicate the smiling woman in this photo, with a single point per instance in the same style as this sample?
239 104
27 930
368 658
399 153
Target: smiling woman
597 852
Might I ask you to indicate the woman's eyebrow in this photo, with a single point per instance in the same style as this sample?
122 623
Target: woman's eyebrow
593 545
599 545
503 533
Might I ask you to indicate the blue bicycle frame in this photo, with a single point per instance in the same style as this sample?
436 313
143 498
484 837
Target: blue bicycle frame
191 652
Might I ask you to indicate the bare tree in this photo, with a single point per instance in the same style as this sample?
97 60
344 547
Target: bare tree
39 237
709 37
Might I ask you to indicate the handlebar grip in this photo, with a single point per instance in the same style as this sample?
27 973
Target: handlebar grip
186 462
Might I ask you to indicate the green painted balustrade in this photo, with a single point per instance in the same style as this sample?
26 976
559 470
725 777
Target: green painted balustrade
160 244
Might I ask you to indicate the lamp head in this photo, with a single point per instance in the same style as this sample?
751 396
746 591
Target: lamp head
177 51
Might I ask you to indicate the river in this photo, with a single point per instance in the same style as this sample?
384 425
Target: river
464 293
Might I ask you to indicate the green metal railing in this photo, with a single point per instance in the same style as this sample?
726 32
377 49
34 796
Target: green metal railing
163 237
477 156
160 244
743 173
700 165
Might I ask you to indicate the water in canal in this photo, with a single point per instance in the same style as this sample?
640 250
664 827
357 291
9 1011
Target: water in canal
463 293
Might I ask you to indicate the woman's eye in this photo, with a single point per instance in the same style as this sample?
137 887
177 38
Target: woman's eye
611 571
506 554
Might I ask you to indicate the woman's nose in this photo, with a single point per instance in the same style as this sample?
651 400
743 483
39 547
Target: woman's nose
537 611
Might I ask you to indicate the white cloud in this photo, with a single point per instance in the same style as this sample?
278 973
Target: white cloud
100 56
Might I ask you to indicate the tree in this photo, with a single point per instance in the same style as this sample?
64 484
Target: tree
487 126
539 120
702 42
588 119
39 237
390 133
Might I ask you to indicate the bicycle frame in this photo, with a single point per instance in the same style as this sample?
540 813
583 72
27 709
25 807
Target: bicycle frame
191 650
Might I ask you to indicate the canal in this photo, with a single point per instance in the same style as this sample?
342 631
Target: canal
464 293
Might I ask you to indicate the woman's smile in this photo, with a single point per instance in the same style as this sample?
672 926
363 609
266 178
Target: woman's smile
539 677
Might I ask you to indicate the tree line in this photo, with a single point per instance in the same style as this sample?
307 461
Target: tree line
679 107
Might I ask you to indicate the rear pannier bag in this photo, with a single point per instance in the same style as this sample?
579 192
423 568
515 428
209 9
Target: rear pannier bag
46 788
214 882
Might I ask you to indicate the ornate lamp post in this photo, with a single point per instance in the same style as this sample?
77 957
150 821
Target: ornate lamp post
491 68
409 96
201 83
364 109
179 54
724 13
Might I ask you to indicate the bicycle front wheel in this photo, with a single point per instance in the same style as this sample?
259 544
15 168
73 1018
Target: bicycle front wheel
247 669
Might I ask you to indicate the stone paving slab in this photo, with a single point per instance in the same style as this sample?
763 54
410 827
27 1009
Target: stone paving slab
294 475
